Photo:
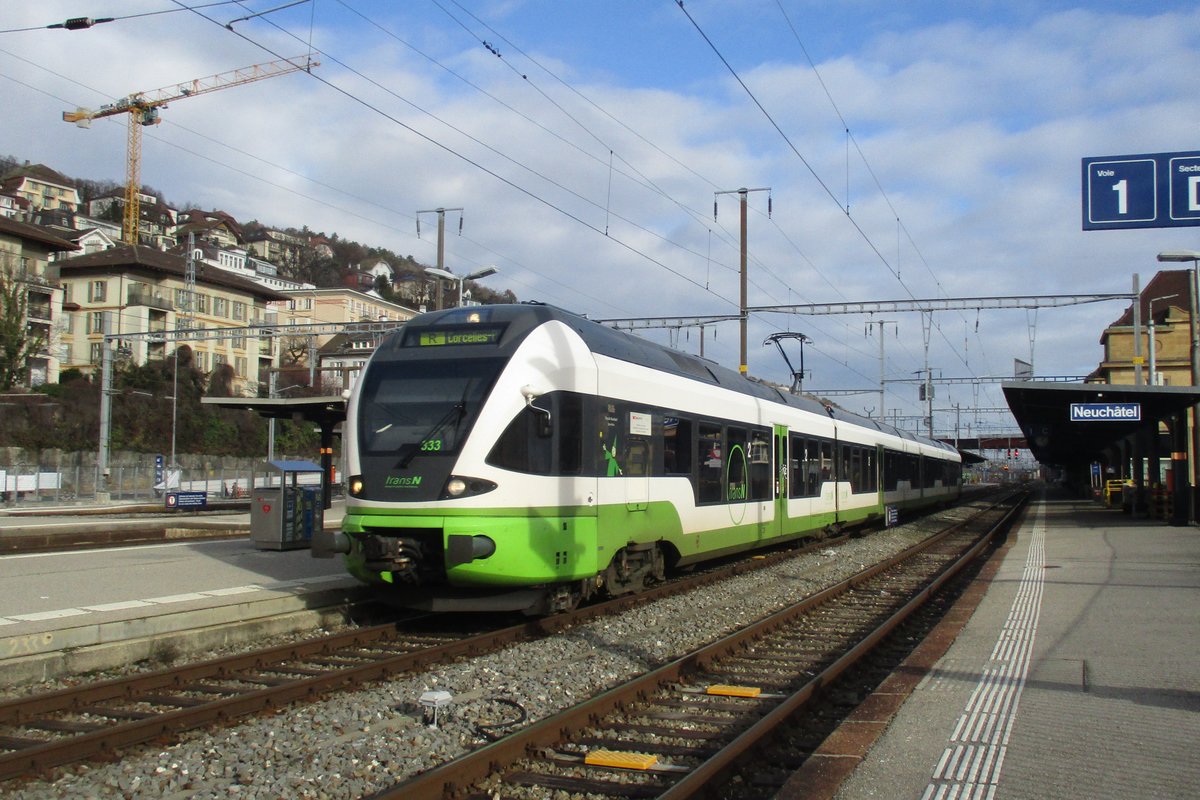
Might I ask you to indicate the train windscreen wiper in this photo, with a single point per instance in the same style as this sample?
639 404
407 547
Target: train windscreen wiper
456 413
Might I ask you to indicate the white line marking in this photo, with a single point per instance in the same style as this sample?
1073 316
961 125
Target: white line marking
175 598
988 717
232 590
44 615
122 606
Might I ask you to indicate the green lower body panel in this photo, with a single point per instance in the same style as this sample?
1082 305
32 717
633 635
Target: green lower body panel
518 550
532 547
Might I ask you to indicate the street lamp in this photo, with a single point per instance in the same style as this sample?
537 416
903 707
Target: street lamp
1150 327
450 276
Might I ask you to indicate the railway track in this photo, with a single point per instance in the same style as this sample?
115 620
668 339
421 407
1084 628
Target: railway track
681 730
86 722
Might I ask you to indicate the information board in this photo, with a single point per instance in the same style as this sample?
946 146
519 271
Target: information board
1155 190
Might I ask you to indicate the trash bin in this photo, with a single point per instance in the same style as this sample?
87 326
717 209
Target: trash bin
285 510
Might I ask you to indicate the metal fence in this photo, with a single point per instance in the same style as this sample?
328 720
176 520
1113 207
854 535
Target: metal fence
33 484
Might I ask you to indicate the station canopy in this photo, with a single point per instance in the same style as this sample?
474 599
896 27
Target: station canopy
324 411
1043 410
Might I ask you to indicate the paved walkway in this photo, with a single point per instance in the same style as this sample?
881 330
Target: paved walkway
1078 676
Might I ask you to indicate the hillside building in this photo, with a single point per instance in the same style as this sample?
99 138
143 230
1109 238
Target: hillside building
25 252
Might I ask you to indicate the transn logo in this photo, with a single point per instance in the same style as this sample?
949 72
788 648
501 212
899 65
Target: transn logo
402 482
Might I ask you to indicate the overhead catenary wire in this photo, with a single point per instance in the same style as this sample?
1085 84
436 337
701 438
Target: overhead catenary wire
709 261
820 181
332 58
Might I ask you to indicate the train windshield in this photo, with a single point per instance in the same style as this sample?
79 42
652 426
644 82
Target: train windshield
412 408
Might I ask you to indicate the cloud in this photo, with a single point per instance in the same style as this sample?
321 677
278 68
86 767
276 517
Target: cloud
973 127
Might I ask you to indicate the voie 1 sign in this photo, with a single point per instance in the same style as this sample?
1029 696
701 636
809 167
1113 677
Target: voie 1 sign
1106 412
1154 190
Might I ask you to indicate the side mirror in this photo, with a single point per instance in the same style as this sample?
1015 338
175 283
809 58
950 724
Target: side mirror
545 421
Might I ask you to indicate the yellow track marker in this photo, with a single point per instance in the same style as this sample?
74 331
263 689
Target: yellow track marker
734 691
612 758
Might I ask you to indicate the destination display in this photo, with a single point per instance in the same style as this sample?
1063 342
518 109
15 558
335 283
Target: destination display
443 337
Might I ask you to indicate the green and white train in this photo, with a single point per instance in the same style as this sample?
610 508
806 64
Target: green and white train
522 457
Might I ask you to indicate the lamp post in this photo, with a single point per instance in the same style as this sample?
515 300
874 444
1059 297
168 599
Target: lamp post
1150 328
450 276
1194 290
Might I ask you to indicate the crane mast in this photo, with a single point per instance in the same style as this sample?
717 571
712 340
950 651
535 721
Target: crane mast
142 108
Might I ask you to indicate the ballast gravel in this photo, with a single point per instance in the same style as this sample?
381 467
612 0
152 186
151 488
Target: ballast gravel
355 743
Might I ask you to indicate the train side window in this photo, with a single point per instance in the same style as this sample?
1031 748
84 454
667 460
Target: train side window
796 467
637 458
827 464
569 430
711 457
760 465
855 468
737 479
677 446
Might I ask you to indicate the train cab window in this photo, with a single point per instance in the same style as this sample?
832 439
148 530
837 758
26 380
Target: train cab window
711 458
542 445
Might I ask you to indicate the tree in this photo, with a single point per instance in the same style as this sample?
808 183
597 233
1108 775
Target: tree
17 344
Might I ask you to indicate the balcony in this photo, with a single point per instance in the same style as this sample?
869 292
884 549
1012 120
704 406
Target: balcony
136 297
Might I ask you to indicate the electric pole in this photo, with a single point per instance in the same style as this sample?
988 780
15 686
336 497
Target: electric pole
741 193
441 243
881 323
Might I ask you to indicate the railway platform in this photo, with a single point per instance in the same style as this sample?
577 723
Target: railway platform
70 604
1078 675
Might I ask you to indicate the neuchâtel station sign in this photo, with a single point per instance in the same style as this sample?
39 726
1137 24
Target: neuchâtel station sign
1106 412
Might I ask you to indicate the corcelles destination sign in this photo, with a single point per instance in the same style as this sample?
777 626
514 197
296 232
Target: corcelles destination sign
1106 412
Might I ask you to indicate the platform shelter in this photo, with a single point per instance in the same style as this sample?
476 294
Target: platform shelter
1103 434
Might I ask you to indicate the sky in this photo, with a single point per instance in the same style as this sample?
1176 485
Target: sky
907 151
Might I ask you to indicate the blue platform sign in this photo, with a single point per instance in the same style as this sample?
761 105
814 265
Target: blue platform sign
1106 412
187 500
1156 190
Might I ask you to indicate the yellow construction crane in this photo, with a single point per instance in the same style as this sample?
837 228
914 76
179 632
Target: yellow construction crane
143 107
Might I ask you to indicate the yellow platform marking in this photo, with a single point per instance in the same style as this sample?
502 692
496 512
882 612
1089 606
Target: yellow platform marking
612 758
734 691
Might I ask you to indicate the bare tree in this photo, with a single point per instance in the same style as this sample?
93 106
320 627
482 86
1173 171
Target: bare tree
17 344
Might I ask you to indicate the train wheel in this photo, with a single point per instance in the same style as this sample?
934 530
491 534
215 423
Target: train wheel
635 567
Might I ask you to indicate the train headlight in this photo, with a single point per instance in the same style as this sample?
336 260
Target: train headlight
458 486
356 485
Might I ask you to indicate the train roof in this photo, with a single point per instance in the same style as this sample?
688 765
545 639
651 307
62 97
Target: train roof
520 319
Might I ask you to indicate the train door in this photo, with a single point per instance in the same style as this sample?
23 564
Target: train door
782 477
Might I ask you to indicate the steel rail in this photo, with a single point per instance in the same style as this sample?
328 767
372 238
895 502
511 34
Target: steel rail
22 756
452 779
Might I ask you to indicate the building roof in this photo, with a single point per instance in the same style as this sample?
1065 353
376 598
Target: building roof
152 260
1167 282
38 172
36 233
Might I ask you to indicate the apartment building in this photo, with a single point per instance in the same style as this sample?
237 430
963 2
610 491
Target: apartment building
146 290
25 261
